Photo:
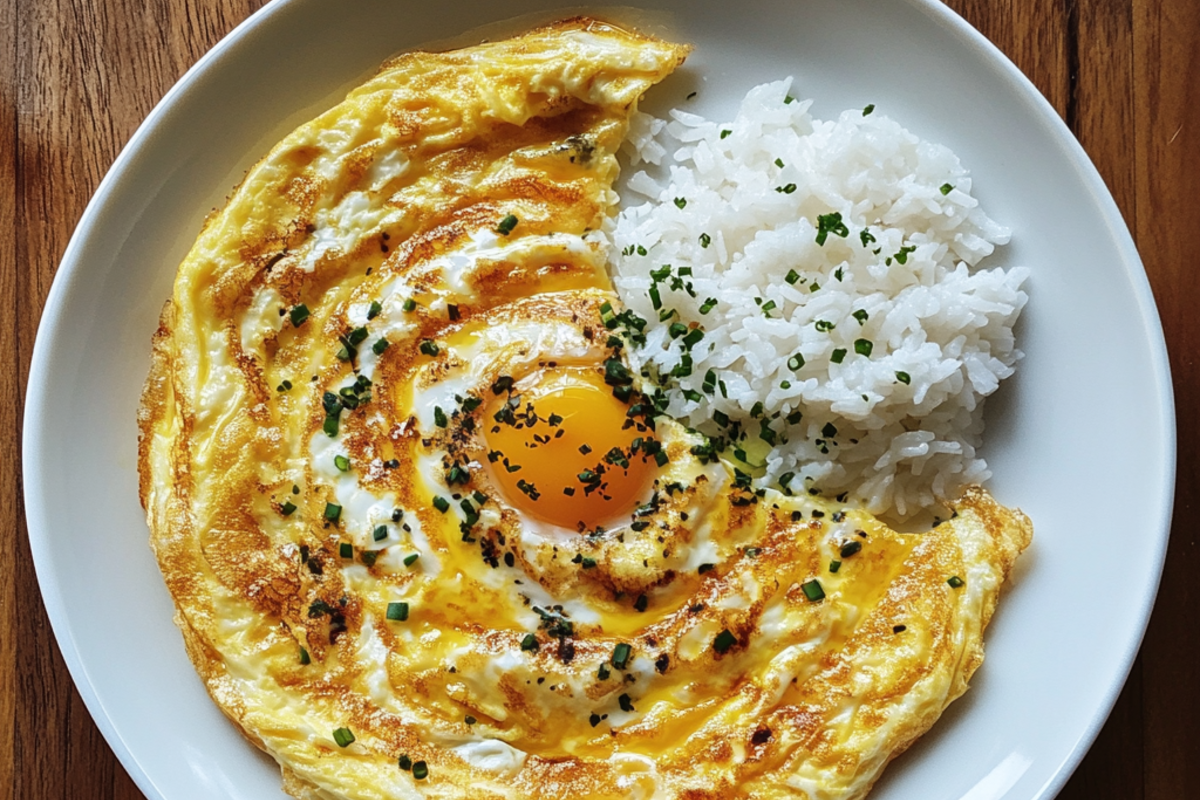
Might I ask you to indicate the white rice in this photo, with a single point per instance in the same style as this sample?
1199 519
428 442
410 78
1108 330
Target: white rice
900 445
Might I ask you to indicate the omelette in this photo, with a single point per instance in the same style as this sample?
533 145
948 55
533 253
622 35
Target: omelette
428 535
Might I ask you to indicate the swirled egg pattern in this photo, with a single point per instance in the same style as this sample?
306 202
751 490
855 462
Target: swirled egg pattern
426 533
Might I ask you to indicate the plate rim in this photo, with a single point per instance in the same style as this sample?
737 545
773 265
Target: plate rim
70 266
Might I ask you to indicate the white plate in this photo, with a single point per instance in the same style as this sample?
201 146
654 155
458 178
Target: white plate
1082 438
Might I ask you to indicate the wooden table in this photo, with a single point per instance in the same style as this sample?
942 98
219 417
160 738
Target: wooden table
78 76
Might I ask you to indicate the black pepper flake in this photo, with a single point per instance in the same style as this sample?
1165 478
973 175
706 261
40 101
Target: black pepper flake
760 736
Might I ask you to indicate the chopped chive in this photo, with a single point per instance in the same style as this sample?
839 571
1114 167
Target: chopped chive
369 557
795 362
708 305
529 643
305 658
620 656
439 417
725 640
380 533
680 202
428 347
287 508
834 566
837 355
705 240
441 504
397 612
850 548
507 224
861 315
420 771
863 347
380 345
284 386
343 737
411 559
404 762
332 512
946 189
342 463
792 277
725 133
298 315
955 582
813 591
409 305
868 109
346 550
904 378
788 189
375 309
331 423
830 223
779 163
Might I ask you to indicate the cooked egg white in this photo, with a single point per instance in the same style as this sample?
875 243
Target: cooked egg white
429 537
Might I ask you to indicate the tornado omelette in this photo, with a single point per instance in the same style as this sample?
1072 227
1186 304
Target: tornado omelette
427 533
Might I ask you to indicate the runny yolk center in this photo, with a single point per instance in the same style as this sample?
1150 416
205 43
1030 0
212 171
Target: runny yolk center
560 448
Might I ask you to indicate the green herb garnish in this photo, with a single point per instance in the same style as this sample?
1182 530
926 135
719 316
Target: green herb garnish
507 224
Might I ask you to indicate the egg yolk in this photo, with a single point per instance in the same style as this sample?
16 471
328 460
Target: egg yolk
563 449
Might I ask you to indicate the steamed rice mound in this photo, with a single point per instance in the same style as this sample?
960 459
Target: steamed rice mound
848 343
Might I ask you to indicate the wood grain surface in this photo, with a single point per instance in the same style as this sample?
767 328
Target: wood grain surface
78 76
